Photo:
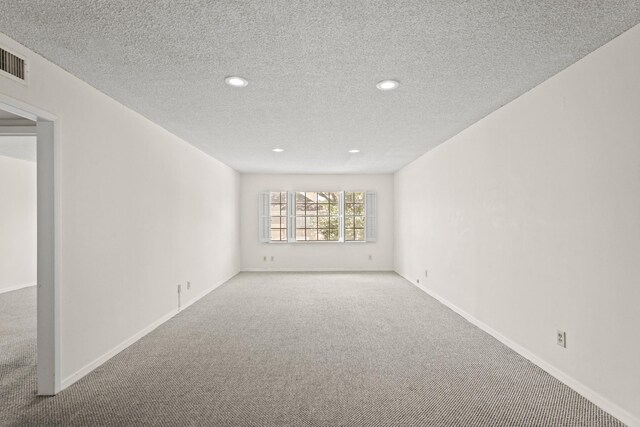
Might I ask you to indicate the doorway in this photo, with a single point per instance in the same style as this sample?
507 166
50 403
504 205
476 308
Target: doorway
18 257
33 141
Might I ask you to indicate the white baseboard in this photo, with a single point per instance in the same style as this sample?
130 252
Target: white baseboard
306 270
588 393
16 287
66 382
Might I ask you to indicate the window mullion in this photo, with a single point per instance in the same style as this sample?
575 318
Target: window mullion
341 216
291 216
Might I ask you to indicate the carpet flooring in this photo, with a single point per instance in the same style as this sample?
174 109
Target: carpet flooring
296 349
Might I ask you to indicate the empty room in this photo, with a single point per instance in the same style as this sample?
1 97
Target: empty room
297 213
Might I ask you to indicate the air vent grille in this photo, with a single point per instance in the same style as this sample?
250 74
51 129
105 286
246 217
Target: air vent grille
11 64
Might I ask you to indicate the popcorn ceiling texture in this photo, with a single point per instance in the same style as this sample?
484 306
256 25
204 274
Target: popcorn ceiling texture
312 68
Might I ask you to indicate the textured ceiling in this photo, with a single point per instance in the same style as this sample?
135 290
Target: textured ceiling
312 68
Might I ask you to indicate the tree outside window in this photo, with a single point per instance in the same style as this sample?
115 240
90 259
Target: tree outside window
317 216
354 216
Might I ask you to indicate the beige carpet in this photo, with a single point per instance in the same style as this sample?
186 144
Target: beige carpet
299 349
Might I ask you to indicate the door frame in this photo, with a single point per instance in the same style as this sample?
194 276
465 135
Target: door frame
48 287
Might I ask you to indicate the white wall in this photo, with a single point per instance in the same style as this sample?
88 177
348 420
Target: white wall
529 221
17 223
140 211
316 255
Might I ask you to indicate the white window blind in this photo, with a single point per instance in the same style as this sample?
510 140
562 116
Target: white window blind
264 225
370 225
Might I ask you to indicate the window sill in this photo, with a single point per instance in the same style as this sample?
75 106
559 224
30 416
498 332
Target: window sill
280 242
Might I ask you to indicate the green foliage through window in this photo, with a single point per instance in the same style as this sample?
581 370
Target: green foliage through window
314 216
317 215
354 216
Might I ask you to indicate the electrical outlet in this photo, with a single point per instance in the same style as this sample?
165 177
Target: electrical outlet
561 338
188 285
264 258
272 258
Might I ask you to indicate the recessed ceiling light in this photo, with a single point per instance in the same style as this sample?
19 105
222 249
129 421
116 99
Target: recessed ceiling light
388 84
354 151
278 150
236 81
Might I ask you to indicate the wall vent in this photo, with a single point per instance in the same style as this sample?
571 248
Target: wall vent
12 65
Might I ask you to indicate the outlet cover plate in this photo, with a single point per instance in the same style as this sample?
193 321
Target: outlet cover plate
561 338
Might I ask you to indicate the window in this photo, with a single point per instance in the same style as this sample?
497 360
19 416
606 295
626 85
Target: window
317 215
278 214
354 216
329 216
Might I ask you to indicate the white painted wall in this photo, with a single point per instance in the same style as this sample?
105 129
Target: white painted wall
317 256
17 224
529 221
140 211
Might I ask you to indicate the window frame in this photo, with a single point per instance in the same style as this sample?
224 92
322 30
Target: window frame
369 216
283 215
339 216
363 216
